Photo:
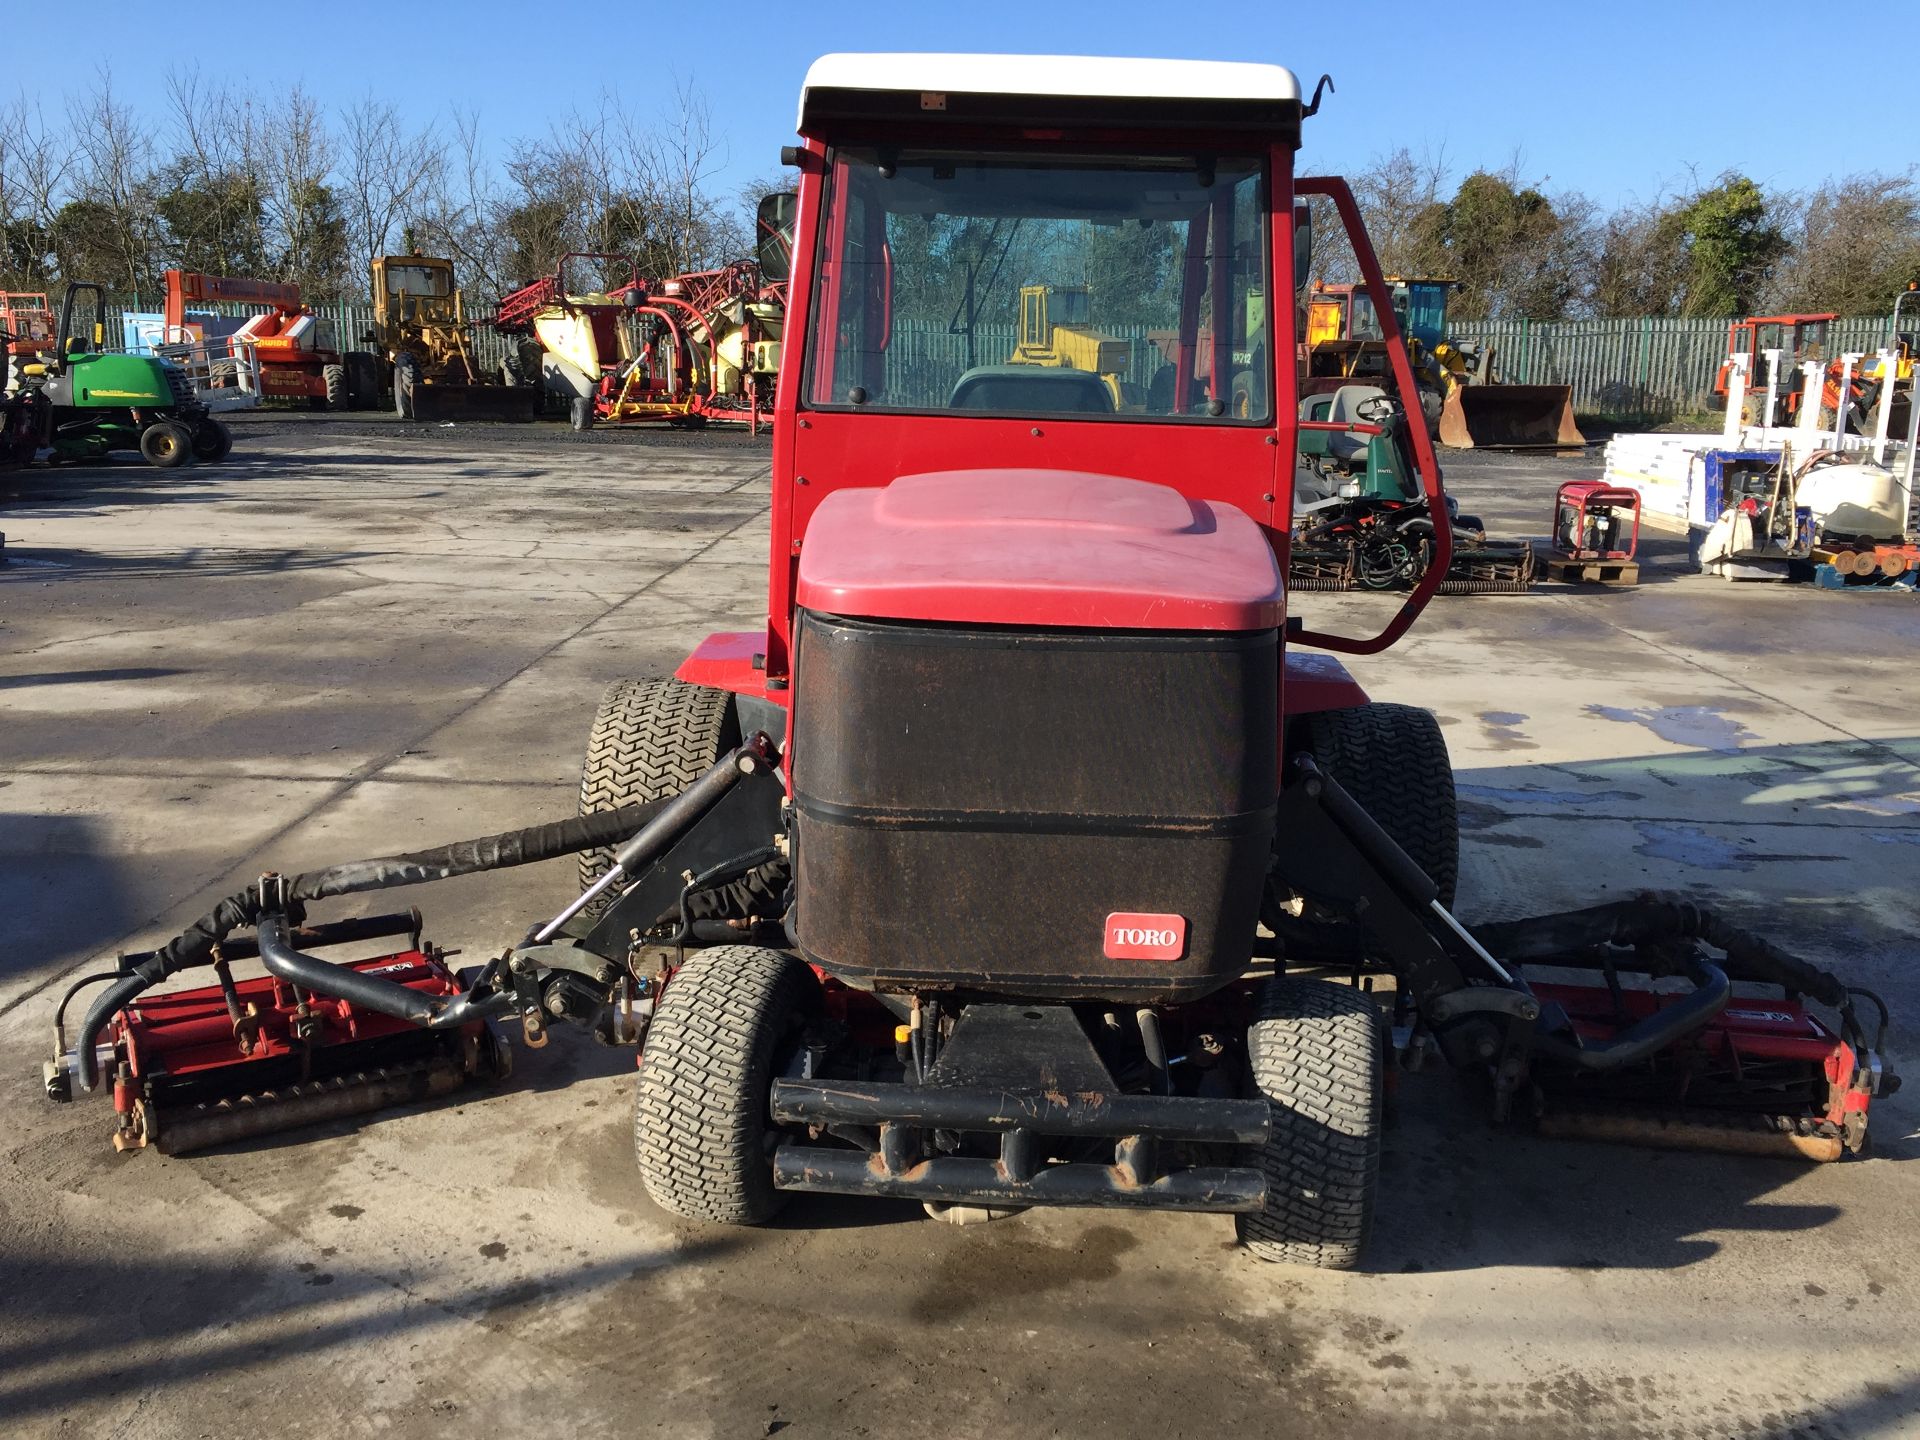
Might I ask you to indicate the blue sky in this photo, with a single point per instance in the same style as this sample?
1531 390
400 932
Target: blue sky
1612 98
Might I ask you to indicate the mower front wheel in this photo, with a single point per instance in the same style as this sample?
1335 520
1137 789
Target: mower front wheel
166 444
1316 1054
701 1129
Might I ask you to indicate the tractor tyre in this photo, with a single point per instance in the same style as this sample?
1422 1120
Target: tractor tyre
363 379
212 442
166 444
334 377
403 382
1393 760
720 1033
580 413
650 740
1316 1053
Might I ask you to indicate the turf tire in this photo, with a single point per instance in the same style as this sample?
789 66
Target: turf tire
701 1129
1316 1053
650 740
1393 760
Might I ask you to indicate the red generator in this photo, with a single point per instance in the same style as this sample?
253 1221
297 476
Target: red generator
1596 534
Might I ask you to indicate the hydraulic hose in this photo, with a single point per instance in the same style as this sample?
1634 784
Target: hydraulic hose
433 1012
195 945
1711 990
1651 918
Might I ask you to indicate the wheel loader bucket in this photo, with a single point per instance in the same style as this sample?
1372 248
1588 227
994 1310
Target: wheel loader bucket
1510 417
439 403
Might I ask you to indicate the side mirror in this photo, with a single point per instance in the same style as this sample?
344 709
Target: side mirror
773 235
1302 246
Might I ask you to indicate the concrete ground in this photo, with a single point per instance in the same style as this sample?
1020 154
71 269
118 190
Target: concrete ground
358 638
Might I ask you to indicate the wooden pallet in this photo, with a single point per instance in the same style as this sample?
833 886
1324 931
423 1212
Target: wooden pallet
1593 572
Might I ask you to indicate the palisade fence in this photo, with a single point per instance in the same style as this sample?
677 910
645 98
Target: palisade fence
1632 371
1649 369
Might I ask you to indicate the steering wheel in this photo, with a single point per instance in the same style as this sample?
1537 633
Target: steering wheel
1376 409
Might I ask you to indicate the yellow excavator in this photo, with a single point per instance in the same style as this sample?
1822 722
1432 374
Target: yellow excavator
1466 408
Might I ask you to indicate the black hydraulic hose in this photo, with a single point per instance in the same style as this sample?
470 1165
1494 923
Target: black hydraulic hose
1650 918
60 1011
108 1003
195 945
1662 1028
434 1012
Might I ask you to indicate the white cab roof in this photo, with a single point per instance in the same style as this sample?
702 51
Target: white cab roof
1076 75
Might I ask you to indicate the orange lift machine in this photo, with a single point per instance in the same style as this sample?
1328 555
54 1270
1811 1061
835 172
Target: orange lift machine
290 363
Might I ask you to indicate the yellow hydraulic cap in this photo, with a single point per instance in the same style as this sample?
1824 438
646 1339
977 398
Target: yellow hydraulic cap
902 1034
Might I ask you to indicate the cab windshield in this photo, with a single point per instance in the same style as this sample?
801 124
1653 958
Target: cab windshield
1023 285
419 280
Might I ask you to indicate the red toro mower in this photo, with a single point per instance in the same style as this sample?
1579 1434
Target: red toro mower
1024 857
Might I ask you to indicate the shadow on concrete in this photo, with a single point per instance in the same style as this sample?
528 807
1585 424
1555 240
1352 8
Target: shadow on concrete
60 890
46 567
87 677
78 1341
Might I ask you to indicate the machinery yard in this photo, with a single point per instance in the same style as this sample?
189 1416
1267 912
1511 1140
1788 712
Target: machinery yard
357 636
877 693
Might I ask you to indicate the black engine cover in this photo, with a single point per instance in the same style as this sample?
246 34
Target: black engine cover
971 804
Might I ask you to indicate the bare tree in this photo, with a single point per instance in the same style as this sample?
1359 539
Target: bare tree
457 211
36 162
1856 245
209 194
296 161
109 227
677 165
386 170
1393 192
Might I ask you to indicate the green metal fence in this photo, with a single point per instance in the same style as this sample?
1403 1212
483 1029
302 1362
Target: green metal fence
1632 370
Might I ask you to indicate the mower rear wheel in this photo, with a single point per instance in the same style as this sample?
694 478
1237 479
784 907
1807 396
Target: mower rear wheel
1317 1055
650 740
1393 760
580 413
212 442
166 444
701 1128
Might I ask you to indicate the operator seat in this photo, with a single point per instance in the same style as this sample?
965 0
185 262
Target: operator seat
1031 389
1345 410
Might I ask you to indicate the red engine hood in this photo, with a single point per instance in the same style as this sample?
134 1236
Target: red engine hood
1054 548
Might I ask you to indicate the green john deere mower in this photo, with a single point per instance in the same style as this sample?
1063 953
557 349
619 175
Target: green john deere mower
101 401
